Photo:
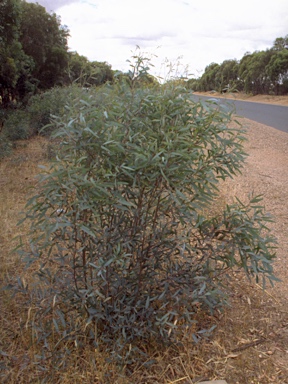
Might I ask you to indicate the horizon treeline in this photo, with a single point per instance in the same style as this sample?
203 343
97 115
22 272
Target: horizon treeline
260 72
35 57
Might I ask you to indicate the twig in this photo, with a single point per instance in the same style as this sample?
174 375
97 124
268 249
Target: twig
249 345
262 174
178 380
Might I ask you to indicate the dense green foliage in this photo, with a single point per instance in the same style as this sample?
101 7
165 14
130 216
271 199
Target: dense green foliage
43 40
88 73
23 123
34 54
11 53
261 72
124 237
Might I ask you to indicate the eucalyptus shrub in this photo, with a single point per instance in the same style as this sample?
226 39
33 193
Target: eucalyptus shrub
125 252
41 107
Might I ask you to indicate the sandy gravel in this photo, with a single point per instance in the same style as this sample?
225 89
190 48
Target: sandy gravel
266 173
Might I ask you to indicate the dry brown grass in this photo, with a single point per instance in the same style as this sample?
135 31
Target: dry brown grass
248 346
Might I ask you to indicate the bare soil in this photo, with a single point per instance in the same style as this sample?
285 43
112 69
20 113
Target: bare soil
266 173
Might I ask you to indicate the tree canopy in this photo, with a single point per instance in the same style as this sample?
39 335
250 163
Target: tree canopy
34 54
11 53
257 72
44 40
87 73
33 47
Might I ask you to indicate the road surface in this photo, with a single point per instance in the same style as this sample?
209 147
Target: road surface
275 116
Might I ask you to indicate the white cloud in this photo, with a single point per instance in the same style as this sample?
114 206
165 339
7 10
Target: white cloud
211 31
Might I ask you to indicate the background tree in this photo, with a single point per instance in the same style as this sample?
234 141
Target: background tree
280 43
243 71
9 20
101 73
33 50
209 79
253 72
45 41
278 71
78 69
228 76
11 54
86 73
258 72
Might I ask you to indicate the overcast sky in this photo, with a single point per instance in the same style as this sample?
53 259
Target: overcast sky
200 32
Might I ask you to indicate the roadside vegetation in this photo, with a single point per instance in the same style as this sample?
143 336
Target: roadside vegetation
126 246
127 253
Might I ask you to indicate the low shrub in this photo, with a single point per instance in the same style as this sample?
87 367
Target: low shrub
53 103
124 250
42 106
17 125
5 146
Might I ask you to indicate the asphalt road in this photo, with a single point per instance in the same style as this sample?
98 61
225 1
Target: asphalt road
275 116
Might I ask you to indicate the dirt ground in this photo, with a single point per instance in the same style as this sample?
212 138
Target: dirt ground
266 173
